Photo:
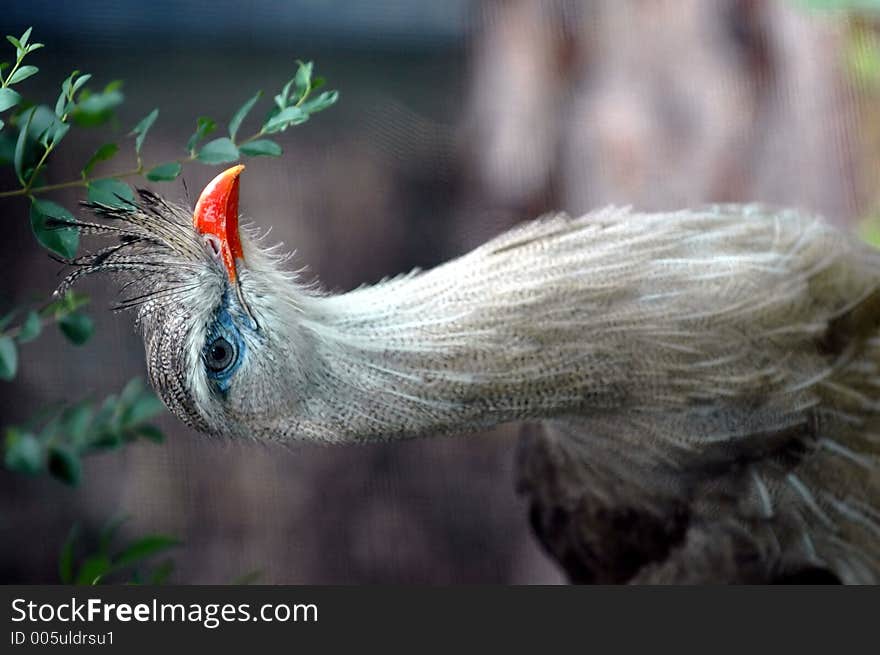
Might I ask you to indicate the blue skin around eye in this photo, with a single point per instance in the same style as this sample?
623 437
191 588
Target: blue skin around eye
224 326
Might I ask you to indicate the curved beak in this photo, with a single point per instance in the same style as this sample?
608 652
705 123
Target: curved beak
216 217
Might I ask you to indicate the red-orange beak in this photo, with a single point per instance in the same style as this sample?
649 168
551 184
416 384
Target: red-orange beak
216 217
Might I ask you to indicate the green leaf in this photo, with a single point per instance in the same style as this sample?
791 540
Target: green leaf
76 421
97 108
150 432
142 128
24 37
65 559
46 127
50 430
240 115
143 548
30 329
146 407
131 391
260 148
21 145
104 153
16 43
24 453
69 87
162 572
2 124
108 409
8 358
52 133
22 73
64 464
111 192
204 126
303 80
105 440
321 102
282 98
218 151
8 98
284 119
69 302
164 172
61 240
63 102
93 569
137 403
78 328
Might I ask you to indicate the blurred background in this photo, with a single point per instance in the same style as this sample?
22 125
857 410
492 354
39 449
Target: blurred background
456 120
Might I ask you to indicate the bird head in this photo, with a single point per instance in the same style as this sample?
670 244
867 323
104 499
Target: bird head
217 311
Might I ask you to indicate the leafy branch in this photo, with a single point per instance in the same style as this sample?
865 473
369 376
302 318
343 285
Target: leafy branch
294 105
106 561
41 128
62 311
56 442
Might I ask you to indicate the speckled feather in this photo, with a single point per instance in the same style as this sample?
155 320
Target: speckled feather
722 360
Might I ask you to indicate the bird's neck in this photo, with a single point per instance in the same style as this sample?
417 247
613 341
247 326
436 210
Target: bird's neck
449 351
389 373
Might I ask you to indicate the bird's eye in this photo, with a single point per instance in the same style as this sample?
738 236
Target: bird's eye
220 354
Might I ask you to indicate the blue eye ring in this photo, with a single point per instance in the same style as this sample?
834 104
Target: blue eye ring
223 351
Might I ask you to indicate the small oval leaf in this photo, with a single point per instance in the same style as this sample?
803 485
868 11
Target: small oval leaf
77 328
97 108
303 80
104 153
64 464
61 240
218 151
21 145
284 119
261 148
164 172
321 102
240 115
22 74
142 128
111 192
30 329
204 126
144 548
8 98
8 358
24 453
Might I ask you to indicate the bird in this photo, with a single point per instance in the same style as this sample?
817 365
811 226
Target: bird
699 389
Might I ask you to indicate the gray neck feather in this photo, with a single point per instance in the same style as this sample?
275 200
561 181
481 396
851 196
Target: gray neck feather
651 313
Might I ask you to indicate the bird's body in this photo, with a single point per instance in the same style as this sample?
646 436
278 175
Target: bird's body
710 376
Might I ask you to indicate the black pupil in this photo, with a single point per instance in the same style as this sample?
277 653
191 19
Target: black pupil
220 354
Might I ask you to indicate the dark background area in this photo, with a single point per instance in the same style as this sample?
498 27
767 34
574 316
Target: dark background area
456 120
